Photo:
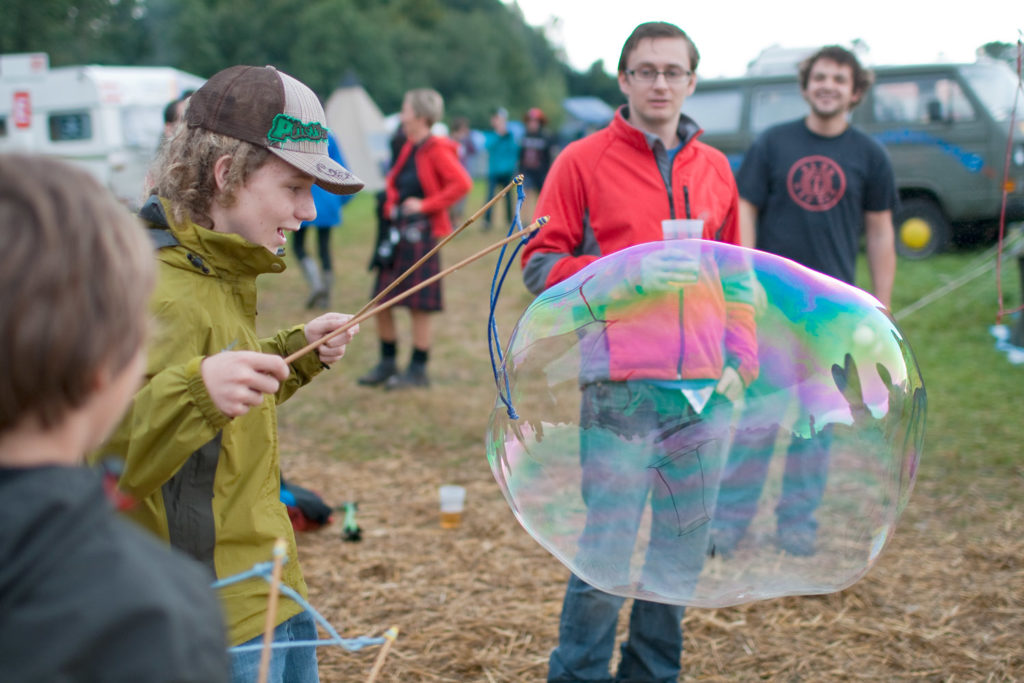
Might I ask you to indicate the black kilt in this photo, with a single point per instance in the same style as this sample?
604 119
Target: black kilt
415 242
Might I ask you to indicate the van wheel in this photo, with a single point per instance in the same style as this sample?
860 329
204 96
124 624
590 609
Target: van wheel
921 229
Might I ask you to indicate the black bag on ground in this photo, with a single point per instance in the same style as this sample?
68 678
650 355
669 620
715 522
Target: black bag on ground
306 509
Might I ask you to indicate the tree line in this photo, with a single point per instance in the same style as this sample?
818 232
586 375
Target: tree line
479 54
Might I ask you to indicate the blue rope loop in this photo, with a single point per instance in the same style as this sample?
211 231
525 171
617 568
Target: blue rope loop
505 260
265 570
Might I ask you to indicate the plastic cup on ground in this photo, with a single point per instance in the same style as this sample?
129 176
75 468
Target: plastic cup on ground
452 500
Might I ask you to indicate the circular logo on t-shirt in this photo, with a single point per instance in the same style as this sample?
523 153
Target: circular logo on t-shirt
816 183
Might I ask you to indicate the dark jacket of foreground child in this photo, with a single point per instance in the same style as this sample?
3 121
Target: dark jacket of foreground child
88 596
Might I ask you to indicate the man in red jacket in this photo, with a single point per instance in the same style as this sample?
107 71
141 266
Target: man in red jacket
643 179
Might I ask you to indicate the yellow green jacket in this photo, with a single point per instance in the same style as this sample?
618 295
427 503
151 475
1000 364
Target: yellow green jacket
208 484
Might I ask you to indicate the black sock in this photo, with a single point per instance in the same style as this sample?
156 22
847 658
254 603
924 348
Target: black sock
388 349
420 356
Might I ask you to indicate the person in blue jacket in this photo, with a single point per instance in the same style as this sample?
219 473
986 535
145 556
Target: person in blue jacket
328 214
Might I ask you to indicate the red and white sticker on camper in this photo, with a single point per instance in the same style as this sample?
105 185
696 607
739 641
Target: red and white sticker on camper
21 111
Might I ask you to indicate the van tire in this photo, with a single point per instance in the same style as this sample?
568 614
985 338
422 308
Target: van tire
921 229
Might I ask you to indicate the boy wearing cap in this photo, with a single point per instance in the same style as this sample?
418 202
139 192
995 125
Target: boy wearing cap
200 441
84 594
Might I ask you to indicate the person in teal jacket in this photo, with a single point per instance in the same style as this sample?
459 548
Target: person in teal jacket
502 160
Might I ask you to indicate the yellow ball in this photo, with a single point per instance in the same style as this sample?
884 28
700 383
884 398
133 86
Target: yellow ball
915 233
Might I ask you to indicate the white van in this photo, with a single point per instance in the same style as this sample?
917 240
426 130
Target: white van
107 119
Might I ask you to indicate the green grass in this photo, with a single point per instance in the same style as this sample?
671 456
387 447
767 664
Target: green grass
974 394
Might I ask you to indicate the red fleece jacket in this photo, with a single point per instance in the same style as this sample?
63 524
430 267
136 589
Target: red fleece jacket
442 176
605 193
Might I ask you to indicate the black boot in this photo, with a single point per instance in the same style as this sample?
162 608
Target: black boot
414 376
380 373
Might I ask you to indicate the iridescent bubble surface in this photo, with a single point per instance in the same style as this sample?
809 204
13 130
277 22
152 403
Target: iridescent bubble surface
631 465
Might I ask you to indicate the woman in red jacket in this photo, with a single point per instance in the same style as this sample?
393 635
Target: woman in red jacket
425 180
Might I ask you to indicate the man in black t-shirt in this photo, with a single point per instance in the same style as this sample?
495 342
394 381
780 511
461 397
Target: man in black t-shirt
808 190
810 187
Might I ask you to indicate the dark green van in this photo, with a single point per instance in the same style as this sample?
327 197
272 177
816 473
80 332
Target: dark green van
945 127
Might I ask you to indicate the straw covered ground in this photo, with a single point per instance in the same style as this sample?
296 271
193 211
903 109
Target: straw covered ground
945 601
481 603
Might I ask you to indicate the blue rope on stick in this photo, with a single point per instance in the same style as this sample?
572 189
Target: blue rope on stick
500 272
264 570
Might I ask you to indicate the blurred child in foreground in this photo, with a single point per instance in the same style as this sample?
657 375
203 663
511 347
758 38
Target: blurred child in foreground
84 594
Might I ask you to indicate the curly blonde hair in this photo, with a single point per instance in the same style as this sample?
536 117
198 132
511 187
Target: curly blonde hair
183 171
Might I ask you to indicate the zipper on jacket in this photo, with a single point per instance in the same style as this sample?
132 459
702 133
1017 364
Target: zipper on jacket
682 338
672 215
666 174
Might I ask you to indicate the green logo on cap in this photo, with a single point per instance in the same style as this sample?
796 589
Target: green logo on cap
285 127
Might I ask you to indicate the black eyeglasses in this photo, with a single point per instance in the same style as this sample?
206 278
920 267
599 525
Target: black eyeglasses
648 74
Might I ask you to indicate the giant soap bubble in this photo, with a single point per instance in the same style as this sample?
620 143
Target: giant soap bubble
620 455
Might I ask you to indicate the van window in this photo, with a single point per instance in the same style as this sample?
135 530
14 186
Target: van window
3 126
920 99
995 85
772 104
69 126
716 111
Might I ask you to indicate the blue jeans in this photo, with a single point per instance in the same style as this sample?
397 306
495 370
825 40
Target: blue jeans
643 445
287 665
803 480
586 636
495 183
640 445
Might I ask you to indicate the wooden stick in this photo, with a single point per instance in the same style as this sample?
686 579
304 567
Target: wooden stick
365 315
268 628
390 636
448 238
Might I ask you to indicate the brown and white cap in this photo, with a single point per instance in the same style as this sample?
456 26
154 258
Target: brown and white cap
271 109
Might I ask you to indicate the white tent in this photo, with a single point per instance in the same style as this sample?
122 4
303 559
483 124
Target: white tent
359 126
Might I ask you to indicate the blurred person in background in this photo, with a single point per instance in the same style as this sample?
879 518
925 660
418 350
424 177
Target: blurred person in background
328 214
463 137
422 185
536 152
502 159
174 112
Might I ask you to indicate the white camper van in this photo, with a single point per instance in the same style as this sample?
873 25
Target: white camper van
108 119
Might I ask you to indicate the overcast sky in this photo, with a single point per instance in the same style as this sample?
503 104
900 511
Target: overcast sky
729 35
